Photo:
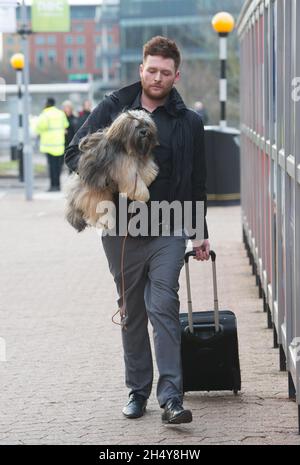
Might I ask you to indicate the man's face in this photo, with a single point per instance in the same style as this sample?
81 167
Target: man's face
68 110
87 105
158 75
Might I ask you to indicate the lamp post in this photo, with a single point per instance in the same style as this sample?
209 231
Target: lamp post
223 24
17 62
24 32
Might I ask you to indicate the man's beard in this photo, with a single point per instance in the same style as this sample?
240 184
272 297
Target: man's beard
154 96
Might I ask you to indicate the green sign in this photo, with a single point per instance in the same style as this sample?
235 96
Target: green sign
80 77
50 16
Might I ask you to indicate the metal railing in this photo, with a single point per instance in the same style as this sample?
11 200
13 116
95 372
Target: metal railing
270 167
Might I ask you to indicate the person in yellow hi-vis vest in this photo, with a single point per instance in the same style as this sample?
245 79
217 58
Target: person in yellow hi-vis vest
51 126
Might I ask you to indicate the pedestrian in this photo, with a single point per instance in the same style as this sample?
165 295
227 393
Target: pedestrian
68 109
84 114
201 111
51 126
147 281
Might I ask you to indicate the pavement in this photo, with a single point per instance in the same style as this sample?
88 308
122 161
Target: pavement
61 368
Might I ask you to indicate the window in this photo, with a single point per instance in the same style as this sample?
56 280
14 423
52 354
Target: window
9 40
40 59
40 40
81 58
83 12
69 59
113 65
68 40
98 39
52 56
80 40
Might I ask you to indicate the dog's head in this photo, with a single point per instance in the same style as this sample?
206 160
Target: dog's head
134 132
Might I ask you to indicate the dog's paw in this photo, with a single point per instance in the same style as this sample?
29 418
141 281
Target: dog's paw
150 173
142 195
153 171
106 221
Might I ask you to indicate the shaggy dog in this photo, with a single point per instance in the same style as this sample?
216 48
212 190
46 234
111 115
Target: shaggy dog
115 159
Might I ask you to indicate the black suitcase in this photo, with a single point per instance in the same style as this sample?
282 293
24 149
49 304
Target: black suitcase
209 344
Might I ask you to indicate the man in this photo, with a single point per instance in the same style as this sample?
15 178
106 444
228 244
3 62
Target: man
201 110
152 264
67 107
84 114
51 126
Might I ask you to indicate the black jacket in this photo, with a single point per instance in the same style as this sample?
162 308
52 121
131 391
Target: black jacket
188 181
82 118
71 130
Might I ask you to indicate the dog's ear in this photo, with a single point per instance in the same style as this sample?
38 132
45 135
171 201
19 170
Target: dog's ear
93 164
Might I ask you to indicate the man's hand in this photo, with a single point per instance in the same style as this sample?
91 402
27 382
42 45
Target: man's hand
202 249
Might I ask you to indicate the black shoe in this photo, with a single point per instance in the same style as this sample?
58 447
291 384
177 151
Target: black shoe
175 414
135 407
54 189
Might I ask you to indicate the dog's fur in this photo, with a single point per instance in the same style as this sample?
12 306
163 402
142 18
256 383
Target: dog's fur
116 159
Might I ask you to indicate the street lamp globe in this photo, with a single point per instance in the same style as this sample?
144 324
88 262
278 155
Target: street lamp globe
17 61
223 22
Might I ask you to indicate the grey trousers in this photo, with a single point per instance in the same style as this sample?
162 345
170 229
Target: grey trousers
151 272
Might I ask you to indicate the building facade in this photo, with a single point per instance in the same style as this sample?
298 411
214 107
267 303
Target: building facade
92 47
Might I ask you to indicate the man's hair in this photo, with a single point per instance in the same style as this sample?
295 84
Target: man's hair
164 47
67 103
50 102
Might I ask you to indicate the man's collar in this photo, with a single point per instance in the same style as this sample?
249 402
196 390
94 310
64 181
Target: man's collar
168 106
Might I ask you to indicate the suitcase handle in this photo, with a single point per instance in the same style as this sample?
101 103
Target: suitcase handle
192 253
203 341
189 295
